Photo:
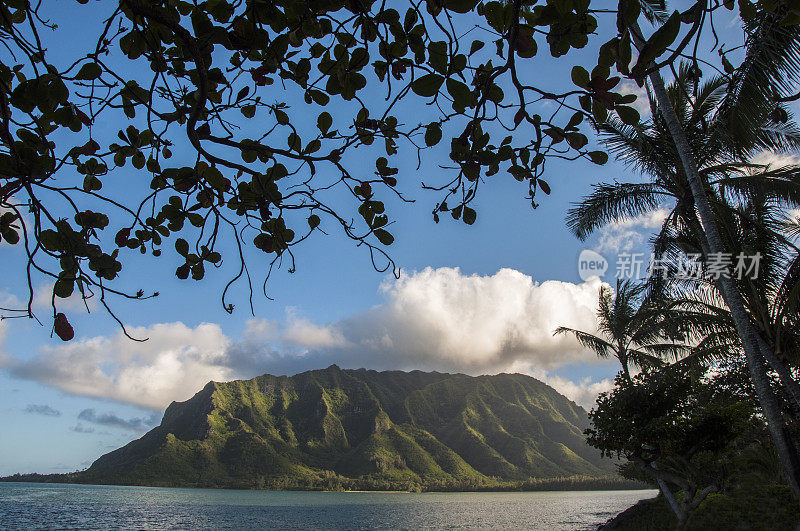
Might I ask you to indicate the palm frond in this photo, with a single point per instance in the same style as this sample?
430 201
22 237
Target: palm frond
600 346
640 147
771 66
655 11
611 202
780 184
787 299
663 351
791 226
779 137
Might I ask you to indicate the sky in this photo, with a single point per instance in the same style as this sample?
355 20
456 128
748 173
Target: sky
483 299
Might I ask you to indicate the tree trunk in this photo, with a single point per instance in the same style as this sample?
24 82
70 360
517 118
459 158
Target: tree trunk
787 380
673 503
665 490
787 452
691 501
623 360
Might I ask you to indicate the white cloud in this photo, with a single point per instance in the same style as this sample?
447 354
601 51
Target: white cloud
6 301
642 103
476 323
173 364
262 330
583 393
775 160
435 319
9 301
43 296
628 233
3 356
303 332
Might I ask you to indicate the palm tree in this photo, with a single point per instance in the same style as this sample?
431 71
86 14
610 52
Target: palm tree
650 149
771 297
771 66
632 328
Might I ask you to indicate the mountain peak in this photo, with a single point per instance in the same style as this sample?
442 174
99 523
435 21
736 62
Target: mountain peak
359 426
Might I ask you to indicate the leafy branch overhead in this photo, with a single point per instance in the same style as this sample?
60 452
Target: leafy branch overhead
244 124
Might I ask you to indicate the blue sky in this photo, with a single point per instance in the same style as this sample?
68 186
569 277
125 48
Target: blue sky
479 299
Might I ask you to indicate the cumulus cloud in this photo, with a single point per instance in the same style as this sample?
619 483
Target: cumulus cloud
583 392
42 409
628 233
308 334
173 364
115 421
9 303
642 103
434 319
80 428
442 318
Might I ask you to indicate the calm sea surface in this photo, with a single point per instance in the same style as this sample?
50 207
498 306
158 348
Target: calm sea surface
53 506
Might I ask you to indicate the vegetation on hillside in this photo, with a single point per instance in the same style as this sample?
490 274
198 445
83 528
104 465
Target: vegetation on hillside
716 409
339 429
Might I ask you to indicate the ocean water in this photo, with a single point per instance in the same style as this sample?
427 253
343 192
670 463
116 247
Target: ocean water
55 506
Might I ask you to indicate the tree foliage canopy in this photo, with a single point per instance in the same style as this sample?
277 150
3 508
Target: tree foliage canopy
193 96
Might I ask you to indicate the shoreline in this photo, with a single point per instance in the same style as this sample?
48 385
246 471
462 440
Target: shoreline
627 516
540 488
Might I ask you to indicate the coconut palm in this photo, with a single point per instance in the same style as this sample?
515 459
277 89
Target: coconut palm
632 328
771 294
769 72
650 149
771 66
689 154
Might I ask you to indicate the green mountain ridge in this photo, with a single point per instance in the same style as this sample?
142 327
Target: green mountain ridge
336 428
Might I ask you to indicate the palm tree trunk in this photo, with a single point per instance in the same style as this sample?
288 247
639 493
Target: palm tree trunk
787 452
787 380
623 360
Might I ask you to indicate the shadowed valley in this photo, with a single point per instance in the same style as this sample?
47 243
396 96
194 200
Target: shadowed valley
360 429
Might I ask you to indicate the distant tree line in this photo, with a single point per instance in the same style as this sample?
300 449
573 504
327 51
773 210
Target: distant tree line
335 483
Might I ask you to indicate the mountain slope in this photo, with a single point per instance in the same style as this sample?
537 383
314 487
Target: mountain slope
360 428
